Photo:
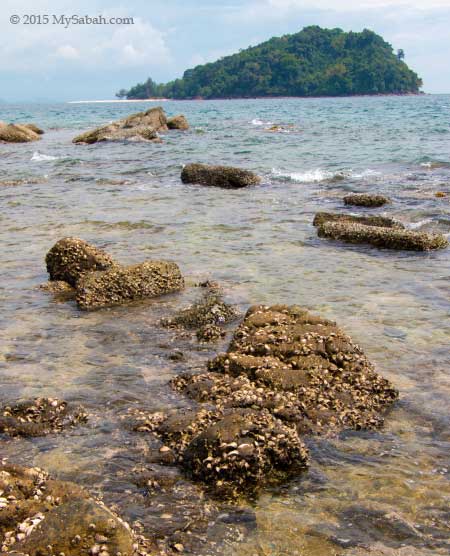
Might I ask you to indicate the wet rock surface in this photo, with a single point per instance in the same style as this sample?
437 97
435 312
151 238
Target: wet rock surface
143 126
178 122
39 417
19 133
218 176
40 516
286 373
71 257
207 316
366 200
129 283
322 217
382 237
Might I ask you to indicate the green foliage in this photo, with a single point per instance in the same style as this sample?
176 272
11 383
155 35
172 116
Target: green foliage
313 62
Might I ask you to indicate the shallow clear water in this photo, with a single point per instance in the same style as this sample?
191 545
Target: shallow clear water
260 244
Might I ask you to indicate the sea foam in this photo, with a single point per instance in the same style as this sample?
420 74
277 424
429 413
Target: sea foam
39 157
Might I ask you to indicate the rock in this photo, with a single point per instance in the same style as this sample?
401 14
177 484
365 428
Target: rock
243 450
39 417
121 284
322 217
382 237
44 516
35 128
59 288
210 310
19 133
440 194
366 200
140 126
178 122
71 257
218 176
300 367
210 333
379 549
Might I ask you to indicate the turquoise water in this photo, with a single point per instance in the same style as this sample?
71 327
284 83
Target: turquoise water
260 244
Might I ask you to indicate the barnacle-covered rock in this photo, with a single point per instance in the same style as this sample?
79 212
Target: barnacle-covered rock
366 200
141 126
39 417
218 176
322 217
122 284
300 367
178 122
382 237
71 257
207 316
40 516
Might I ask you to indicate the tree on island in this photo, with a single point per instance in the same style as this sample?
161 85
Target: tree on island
313 62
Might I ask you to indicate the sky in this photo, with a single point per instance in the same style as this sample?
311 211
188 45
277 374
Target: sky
57 62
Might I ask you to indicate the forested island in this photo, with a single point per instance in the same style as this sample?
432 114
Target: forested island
313 62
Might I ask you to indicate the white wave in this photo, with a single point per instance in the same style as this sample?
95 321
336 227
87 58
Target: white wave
258 122
417 225
38 157
319 175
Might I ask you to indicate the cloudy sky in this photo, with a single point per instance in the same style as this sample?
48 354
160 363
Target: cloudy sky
51 62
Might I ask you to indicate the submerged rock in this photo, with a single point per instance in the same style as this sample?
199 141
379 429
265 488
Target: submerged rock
121 284
322 217
210 311
39 417
143 126
218 176
382 237
19 133
40 516
71 257
178 122
366 200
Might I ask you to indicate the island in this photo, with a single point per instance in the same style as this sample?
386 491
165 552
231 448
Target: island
313 62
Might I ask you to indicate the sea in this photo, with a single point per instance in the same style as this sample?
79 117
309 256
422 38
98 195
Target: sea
390 486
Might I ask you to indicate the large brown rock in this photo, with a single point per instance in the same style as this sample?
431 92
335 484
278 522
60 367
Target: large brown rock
178 122
140 126
121 284
40 516
300 367
71 257
382 237
218 176
19 133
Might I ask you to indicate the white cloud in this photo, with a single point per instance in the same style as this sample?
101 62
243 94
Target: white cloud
68 52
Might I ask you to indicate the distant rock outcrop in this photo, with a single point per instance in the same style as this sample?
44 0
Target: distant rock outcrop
144 126
19 133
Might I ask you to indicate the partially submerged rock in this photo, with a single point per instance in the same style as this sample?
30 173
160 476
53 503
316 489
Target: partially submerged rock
178 122
19 133
218 176
206 315
71 257
382 237
233 451
286 372
122 284
300 367
322 217
40 516
366 200
141 126
39 417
